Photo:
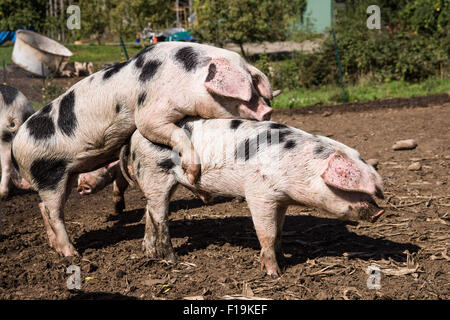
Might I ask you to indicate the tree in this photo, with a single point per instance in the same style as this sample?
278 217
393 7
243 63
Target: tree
22 14
129 17
244 21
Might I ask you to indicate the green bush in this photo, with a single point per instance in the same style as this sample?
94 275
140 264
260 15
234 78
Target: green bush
404 49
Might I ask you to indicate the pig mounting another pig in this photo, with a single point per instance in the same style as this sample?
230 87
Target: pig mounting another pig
14 110
84 129
270 164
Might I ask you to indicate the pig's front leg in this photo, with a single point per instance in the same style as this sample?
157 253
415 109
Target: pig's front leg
5 162
281 213
264 216
160 128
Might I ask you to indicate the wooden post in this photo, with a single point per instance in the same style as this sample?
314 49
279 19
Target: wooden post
177 5
63 37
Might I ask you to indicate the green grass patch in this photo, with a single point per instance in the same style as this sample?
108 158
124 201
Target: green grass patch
5 54
372 91
97 54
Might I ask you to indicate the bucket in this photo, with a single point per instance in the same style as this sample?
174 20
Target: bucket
38 54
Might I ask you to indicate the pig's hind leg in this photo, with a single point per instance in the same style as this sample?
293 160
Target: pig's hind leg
52 210
157 243
265 216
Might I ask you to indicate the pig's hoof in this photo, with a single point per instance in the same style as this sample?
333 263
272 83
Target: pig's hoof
272 269
67 251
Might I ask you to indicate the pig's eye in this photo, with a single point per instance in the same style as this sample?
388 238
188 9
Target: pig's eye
267 101
12 124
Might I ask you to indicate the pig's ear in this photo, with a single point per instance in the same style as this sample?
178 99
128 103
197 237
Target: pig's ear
261 82
344 174
227 80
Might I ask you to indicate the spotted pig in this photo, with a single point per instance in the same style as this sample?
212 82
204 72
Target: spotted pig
83 129
270 164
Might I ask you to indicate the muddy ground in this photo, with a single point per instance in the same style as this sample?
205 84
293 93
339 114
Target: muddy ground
216 244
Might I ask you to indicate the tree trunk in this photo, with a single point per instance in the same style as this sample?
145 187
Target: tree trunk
63 38
241 45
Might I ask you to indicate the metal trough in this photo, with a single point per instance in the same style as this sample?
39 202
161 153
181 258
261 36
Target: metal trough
38 54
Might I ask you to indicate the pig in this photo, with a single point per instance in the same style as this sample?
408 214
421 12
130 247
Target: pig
270 164
14 111
92 182
84 128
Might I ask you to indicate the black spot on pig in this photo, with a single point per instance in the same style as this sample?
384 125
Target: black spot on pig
110 71
139 169
141 98
275 125
133 156
67 120
140 57
149 70
188 57
140 61
40 125
9 94
117 108
13 159
290 144
212 69
47 173
7 136
26 115
282 134
322 151
235 124
166 164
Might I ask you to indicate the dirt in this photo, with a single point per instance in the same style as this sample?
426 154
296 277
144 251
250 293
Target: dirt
216 244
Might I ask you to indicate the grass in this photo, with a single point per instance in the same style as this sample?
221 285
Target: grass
97 54
372 91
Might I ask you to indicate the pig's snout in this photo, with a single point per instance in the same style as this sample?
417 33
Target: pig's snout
84 189
367 211
256 110
266 114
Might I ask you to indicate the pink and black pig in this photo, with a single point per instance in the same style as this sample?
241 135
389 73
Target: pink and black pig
14 111
84 128
271 165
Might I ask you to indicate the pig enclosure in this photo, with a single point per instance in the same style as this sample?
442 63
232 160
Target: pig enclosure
216 244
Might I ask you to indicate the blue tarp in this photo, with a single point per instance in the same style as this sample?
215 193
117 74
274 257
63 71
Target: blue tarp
7 36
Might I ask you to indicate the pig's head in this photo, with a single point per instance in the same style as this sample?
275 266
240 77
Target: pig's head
94 181
242 91
346 188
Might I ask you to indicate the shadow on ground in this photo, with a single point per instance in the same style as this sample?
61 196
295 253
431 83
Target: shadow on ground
305 237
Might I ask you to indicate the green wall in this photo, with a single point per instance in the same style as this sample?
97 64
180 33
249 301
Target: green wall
318 16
